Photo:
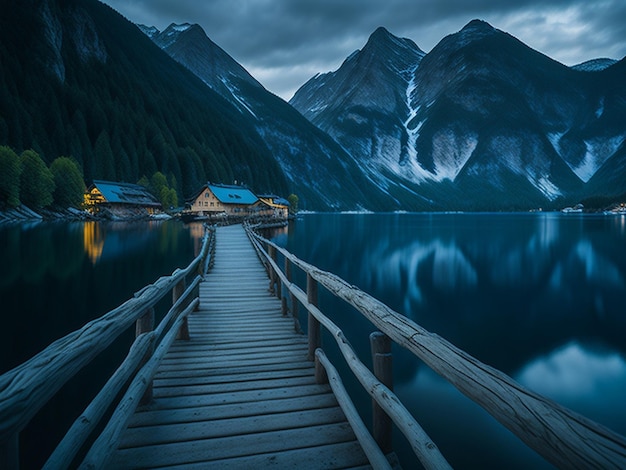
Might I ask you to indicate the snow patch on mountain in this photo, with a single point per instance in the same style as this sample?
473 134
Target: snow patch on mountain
598 151
180 27
548 188
451 151
234 93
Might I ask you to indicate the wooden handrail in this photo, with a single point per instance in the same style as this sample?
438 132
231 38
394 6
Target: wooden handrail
374 454
25 389
424 448
78 433
561 436
101 451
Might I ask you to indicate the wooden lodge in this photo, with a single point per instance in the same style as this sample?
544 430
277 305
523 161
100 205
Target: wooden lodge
232 200
120 199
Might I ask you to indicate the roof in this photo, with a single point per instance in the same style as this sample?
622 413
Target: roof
275 202
125 193
232 194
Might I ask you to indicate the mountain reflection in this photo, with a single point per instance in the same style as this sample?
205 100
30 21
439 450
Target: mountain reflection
508 288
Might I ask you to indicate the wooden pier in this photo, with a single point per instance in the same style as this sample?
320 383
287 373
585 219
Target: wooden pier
226 380
240 393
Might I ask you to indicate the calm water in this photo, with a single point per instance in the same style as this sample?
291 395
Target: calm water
539 296
56 277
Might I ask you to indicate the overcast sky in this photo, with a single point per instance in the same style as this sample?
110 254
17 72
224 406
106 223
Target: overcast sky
283 43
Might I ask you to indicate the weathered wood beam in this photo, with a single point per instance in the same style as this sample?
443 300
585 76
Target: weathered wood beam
374 454
85 424
382 424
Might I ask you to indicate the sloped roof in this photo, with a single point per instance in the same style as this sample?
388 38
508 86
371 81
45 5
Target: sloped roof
232 194
277 203
274 199
125 193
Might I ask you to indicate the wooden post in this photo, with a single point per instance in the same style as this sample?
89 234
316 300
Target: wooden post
294 300
145 324
177 292
321 376
10 453
382 425
272 252
283 301
315 338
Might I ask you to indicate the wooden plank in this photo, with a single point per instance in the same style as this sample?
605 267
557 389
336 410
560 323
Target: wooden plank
207 347
242 353
234 370
343 455
233 446
207 389
203 413
241 397
232 378
216 428
228 363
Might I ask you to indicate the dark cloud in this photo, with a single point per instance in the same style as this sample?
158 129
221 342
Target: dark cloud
283 42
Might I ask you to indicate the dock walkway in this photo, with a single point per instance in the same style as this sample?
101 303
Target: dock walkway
241 392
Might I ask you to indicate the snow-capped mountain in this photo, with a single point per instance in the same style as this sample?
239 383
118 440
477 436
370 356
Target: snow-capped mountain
318 169
365 106
481 121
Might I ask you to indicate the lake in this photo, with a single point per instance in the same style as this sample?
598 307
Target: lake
58 276
539 296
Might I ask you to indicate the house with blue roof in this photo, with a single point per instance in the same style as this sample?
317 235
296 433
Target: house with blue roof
222 199
120 199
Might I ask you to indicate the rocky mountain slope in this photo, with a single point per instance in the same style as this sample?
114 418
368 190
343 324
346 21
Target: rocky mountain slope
480 122
323 175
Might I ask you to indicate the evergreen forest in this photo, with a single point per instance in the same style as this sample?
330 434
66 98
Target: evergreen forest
80 82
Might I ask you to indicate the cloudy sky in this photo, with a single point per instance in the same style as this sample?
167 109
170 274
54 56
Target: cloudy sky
283 43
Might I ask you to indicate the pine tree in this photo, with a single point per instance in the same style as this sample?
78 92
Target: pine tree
36 181
10 170
70 187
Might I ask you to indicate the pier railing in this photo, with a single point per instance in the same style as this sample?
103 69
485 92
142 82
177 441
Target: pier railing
561 436
25 389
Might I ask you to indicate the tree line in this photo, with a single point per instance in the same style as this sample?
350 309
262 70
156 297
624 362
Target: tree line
136 113
26 180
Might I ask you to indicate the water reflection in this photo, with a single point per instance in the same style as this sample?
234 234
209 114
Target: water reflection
56 277
525 293
61 275
93 240
588 379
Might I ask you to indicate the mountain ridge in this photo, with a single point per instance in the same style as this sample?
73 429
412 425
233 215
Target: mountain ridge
312 161
79 80
489 115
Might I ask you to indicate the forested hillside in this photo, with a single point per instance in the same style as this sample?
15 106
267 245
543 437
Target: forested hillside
78 80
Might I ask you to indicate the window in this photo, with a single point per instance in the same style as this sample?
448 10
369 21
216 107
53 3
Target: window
206 194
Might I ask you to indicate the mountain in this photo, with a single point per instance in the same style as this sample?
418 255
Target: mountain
364 106
594 65
79 80
487 123
323 174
